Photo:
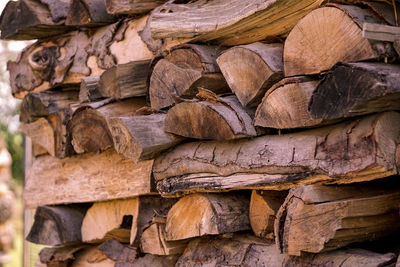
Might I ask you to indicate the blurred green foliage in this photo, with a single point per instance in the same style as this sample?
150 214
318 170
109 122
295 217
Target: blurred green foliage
15 146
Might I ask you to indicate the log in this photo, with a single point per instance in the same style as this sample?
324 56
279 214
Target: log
331 34
333 154
33 19
118 252
60 256
182 71
151 260
241 22
346 214
77 179
119 7
216 119
356 89
250 70
141 137
264 206
89 89
42 133
92 257
57 225
207 214
285 105
89 126
88 13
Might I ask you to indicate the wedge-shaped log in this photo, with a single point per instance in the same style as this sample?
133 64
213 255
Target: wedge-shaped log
88 13
89 126
53 181
181 72
33 19
319 218
251 69
89 89
207 214
42 133
285 105
56 225
353 89
358 150
331 34
141 137
216 119
241 22
135 7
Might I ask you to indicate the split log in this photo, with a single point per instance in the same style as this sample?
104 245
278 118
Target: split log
33 19
181 72
353 89
331 34
141 137
240 22
346 214
88 13
42 133
119 7
53 181
89 126
118 252
334 154
285 105
264 206
89 89
60 256
151 261
251 69
216 119
207 214
57 225
92 257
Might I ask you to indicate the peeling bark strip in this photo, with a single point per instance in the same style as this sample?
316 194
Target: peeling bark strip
53 181
353 89
358 150
331 34
251 69
118 7
346 214
88 13
57 225
241 22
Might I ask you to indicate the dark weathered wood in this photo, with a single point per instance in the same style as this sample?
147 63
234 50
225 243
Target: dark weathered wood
216 119
130 7
60 256
251 69
151 260
181 72
353 89
77 179
358 150
88 13
228 22
331 34
118 252
319 218
89 89
57 225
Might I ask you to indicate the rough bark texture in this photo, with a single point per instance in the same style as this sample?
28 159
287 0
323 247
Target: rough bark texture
329 35
134 7
207 214
353 89
358 150
60 256
151 261
251 69
118 252
89 89
88 13
241 22
77 179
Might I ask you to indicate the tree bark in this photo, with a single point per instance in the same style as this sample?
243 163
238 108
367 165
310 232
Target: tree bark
88 13
242 22
60 256
151 260
118 252
353 89
320 218
53 181
181 72
42 133
118 7
331 34
250 70
334 154
89 89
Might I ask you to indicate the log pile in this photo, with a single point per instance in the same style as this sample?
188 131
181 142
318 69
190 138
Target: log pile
217 133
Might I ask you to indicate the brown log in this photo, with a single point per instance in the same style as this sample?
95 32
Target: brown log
118 252
92 257
251 69
42 133
151 260
319 218
334 154
60 256
89 89
89 126
57 225
207 214
88 13
264 206
141 137
182 71
242 22
77 179
331 34
216 119
118 7
33 19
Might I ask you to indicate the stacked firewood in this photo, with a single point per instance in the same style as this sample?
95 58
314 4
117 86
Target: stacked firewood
217 133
